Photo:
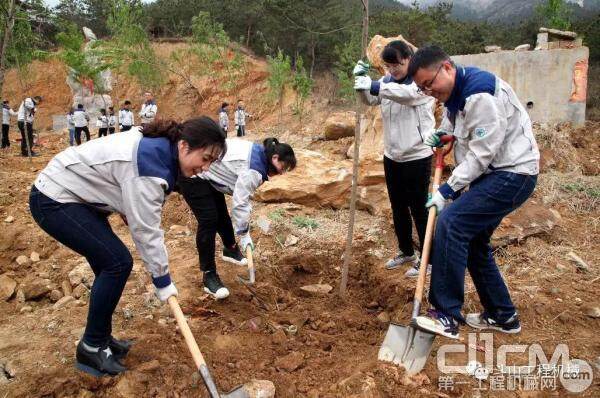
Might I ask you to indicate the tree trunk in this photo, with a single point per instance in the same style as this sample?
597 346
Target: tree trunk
8 28
248 36
313 46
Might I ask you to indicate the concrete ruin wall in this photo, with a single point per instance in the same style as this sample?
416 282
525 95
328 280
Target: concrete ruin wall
553 82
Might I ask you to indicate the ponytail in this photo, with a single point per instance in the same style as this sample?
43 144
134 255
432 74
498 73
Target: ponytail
283 151
199 132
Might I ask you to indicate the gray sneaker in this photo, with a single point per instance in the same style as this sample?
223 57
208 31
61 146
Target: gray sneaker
413 271
400 259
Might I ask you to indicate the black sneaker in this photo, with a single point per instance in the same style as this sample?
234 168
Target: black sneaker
98 363
234 256
214 286
484 322
119 348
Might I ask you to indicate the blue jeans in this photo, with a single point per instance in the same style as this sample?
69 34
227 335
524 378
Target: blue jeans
86 230
71 136
462 240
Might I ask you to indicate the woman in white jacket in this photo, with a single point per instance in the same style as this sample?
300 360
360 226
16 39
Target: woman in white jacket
130 174
408 118
242 170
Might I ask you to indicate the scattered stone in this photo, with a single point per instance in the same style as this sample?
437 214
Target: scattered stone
259 389
279 337
319 289
579 263
25 309
20 296
150 300
9 219
373 305
80 291
555 291
523 47
63 302
195 379
578 301
55 295
22 260
7 287
82 273
291 240
162 322
592 311
531 219
264 224
492 49
340 124
225 342
180 230
561 267
564 318
66 288
383 317
290 362
127 313
254 324
36 288
34 257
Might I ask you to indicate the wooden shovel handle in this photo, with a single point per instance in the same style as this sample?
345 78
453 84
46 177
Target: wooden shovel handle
186 332
249 258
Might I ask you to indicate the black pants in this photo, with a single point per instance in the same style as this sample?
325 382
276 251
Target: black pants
5 140
78 131
408 185
87 231
102 131
29 127
210 210
111 130
241 131
125 128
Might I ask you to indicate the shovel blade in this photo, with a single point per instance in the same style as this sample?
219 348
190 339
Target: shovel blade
406 346
238 392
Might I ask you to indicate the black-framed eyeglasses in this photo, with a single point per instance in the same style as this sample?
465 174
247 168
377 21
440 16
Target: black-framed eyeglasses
427 87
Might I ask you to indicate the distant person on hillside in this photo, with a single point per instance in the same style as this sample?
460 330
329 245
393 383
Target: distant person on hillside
407 119
7 112
149 109
240 119
25 117
81 119
102 123
112 120
71 126
245 167
224 117
126 120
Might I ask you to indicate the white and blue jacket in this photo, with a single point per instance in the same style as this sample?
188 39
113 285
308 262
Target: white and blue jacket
241 171
148 112
492 129
125 173
7 112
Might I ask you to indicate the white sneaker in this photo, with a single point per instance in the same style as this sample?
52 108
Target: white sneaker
400 259
438 323
413 271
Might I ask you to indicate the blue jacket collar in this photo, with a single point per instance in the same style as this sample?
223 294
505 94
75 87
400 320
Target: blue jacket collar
151 102
469 81
158 157
390 79
259 161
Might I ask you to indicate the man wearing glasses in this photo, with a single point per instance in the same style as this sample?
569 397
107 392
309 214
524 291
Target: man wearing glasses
497 157
407 117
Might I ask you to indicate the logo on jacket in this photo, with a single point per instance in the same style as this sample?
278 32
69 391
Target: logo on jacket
480 132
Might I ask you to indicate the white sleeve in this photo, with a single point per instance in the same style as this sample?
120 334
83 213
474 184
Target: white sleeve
484 129
405 94
245 186
29 104
143 198
12 113
368 99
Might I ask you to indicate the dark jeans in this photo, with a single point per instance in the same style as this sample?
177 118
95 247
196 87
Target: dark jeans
102 132
86 230
71 136
407 185
5 140
78 131
111 130
210 210
29 127
125 128
241 131
462 240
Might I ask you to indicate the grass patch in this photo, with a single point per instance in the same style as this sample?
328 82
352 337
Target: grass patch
305 222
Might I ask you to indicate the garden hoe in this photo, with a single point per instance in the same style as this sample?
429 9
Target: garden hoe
238 392
409 346
251 276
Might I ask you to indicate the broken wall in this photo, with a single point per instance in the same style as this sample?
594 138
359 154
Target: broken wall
552 82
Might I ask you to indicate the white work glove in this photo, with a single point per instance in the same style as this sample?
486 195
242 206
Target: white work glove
362 83
436 200
246 240
361 68
163 293
434 139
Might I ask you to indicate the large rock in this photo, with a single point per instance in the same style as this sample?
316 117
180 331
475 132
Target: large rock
7 287
530 219
290 362
339 125
36 288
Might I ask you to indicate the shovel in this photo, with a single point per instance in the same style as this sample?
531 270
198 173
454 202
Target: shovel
251 275
408 346
238 392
